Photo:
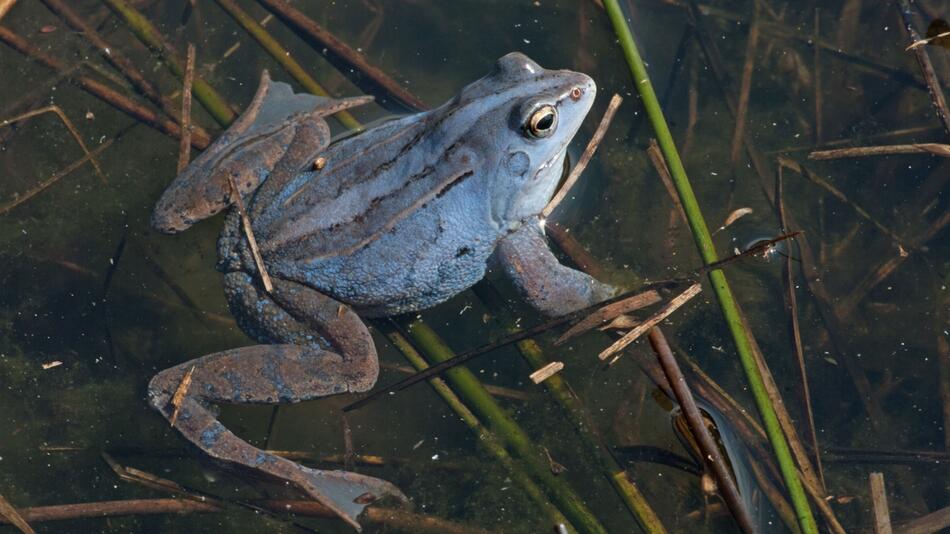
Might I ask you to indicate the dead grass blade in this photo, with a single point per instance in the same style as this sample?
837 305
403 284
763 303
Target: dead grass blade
595 140
934 149
180 393
8 512
646 325
56 110
39 188
251 241
184 145
609 312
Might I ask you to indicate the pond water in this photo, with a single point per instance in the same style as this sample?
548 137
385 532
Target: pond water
94 302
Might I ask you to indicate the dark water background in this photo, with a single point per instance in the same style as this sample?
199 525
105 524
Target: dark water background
84 281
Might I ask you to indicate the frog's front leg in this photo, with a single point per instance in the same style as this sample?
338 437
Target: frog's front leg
550 287
281 373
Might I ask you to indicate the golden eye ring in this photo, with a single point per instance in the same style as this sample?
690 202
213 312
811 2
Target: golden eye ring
542 122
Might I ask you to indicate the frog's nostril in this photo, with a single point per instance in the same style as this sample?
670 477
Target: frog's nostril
576 94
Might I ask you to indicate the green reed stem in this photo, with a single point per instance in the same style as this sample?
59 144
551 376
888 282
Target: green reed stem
488 440
468 387
282 56
216 105
703 239
575 411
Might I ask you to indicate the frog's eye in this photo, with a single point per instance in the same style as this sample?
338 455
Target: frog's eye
542 122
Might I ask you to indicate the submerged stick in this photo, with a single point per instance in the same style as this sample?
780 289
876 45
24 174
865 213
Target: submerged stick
510 339
592 145
42 186
937 98
14 517
882 517
115 57
184 147
726 299
745 86
282 56
101 91
249 233
216 105
664 312
56 110
934 149
487 439
346 59
791 306
711 452
499 421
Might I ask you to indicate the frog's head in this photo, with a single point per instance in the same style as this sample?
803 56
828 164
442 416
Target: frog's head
534 115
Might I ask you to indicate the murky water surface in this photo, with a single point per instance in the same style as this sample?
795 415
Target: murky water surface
93 302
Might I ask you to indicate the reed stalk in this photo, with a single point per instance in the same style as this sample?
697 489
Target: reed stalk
470 389
724 295
213 102
282 56
488 440
559 389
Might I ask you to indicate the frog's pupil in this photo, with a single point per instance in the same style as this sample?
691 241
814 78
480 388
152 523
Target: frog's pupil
546 122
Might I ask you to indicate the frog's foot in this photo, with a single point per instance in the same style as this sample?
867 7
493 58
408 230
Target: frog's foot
548 286
266 374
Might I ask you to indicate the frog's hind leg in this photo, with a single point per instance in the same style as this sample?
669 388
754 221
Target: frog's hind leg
264 374
295 369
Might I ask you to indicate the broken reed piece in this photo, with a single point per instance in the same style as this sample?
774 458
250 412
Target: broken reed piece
934 149
592 145
609 313
13 516
180 393
184 145
646 325
882 517
546 372
249 232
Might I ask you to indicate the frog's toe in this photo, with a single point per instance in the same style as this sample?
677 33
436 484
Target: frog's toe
347 493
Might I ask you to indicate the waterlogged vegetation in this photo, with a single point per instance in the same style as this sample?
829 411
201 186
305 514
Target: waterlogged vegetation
813 135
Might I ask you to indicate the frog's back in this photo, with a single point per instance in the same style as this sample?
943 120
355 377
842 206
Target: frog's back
394 221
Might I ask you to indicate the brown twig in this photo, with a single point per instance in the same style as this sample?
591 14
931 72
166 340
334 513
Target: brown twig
391 517
656 158
934 149
928 524
5 7
609 312
42 186
937 98
664 312
592 145
56 110
791 306
837 193
882 517
101 91
115 57
711 452
546 372
745 86
818 98
348 61
249 233
13 516
180 393
184 146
